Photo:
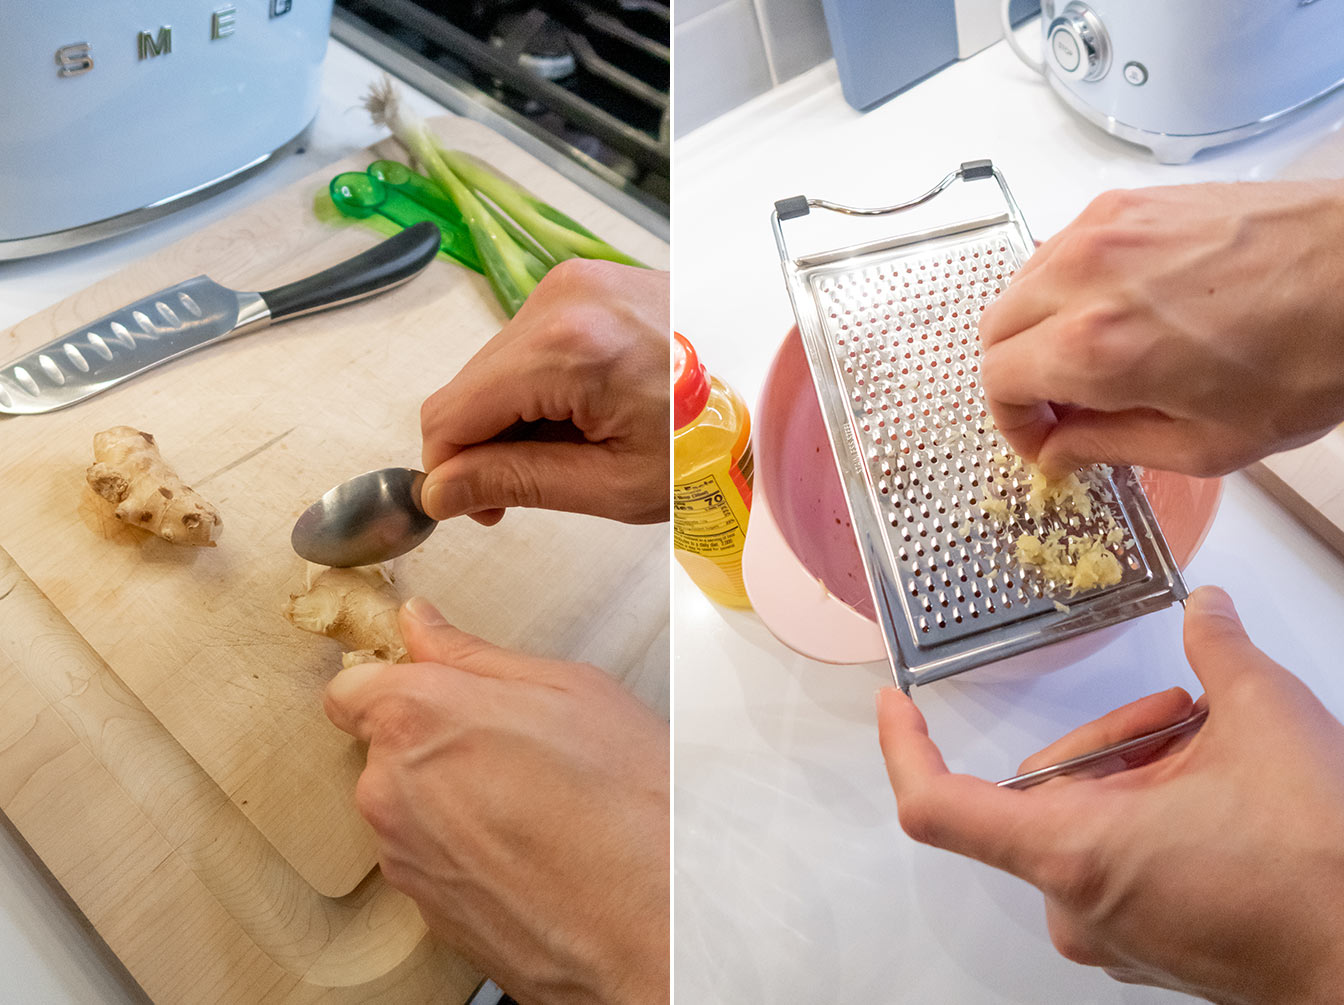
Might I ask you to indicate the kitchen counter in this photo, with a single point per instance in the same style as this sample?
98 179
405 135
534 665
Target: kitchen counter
794 882
48 954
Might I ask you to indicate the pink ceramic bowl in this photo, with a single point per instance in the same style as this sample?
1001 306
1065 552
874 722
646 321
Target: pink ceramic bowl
801 565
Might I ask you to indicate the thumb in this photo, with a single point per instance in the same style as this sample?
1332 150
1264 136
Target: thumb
1216 644
430 638
497 475
1006 829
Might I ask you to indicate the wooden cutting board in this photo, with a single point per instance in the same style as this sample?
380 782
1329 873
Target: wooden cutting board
195 902
262 426
1309 483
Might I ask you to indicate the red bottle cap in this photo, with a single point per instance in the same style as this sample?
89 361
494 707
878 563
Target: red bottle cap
690 388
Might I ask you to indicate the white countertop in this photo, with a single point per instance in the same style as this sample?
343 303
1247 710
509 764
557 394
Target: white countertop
794 882
47 953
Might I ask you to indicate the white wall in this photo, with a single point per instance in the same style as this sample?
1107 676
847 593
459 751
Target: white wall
727 51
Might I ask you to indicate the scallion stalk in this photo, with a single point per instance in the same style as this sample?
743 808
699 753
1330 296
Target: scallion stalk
557 233
504 261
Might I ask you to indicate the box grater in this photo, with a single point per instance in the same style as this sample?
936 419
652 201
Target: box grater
890 328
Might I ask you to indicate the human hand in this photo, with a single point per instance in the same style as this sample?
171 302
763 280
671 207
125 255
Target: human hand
1215 867
588 355
1194 328
523 804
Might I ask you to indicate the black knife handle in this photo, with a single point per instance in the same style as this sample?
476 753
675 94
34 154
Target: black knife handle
381 267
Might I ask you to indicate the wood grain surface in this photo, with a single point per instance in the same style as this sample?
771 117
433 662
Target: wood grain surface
176 759
1309 483
186 891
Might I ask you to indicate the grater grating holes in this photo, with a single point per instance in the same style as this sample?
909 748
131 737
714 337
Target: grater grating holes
904 334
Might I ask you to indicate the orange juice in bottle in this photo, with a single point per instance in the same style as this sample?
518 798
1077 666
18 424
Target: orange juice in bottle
711 480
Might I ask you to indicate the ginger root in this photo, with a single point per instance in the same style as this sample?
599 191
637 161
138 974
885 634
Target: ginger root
357 608
1080 561
130 473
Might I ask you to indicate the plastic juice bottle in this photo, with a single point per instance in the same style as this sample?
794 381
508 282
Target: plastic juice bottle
711 480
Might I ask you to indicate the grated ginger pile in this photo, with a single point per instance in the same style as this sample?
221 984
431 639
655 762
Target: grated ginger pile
1081 561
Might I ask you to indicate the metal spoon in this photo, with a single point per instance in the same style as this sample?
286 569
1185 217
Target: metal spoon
368 519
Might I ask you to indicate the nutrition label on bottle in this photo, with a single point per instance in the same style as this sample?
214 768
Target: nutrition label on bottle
707 520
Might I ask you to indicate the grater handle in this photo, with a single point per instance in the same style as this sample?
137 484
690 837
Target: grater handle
798 206
1134 745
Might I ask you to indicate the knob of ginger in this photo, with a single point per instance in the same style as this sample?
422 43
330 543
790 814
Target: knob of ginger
130 473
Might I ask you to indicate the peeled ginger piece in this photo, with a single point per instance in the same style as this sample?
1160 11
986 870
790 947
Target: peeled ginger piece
1082 561
356 607
1066 495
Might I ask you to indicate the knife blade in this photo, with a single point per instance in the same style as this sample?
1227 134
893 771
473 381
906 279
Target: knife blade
192 315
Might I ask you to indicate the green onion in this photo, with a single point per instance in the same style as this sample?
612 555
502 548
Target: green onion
557 233
518 237
505 262
535 251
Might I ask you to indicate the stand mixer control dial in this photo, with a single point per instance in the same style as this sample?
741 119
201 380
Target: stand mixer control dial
1079 47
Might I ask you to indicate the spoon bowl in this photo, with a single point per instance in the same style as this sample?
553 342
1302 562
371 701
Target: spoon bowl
371 518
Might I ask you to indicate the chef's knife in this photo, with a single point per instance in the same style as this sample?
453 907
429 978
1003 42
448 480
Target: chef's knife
192 315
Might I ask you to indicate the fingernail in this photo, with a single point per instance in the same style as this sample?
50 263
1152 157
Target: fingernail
1211 600
1056 467
431 498
443 500
1055 472
424 612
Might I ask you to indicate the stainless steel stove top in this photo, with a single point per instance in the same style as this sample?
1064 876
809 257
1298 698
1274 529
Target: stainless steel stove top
583 83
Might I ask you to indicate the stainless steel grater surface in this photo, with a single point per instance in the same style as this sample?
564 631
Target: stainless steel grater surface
890 331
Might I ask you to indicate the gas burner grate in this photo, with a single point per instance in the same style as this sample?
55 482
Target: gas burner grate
595 75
